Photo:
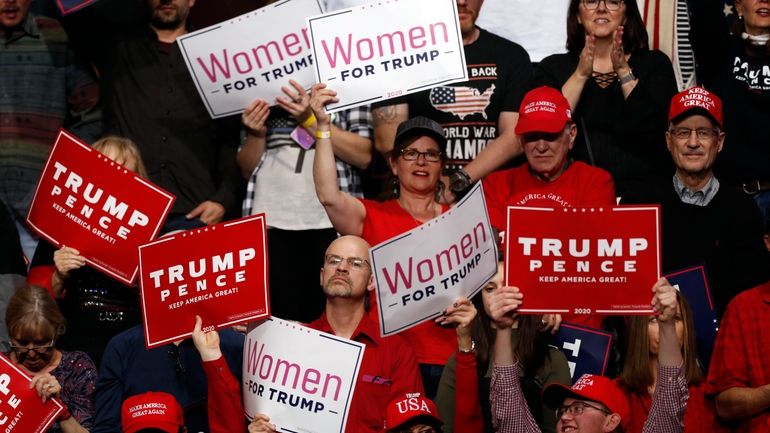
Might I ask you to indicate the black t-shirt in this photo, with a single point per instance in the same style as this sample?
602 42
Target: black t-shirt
499 74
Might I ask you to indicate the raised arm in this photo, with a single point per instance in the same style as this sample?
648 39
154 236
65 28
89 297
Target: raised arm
386 120
670 398
346 212
574 85
250 153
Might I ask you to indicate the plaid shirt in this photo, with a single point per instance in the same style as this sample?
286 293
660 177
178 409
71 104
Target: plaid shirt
279 128
742 350
509 413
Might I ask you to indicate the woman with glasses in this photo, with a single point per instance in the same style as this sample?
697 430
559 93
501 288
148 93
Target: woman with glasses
34 324
415 161
733 58
618 89
638 378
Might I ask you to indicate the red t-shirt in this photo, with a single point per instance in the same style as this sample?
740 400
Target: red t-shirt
432 344
581 185
742 350
388 370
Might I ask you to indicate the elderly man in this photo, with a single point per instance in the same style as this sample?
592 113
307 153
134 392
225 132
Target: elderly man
594 404
549 178
43 87
389 368
476 113
703 221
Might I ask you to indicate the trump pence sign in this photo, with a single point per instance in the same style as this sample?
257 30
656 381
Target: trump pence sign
21 409
301 378
386 49
217 272
251 56
583 260
87 201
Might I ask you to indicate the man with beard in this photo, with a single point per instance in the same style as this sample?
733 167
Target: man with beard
151 98
475 114
389 368
43 87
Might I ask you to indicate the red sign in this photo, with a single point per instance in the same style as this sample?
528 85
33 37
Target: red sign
583 260
87 201
217 272
21 409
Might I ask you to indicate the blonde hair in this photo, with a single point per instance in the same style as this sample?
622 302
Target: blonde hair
126 148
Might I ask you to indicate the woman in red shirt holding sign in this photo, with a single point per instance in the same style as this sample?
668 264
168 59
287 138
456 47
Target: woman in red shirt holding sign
416 162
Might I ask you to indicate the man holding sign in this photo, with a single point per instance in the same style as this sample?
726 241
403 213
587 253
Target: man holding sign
550 178
389 368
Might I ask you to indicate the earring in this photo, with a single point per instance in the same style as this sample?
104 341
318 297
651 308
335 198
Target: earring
439 191
395 189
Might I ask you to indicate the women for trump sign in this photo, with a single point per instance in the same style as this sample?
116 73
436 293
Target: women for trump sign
301 378
583 260
386 49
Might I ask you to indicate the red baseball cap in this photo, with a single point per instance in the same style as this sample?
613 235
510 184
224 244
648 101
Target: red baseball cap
410 407
591 387
543 109
157 410
696 99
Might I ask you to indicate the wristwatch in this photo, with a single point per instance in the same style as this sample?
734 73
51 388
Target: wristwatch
460 182
627 78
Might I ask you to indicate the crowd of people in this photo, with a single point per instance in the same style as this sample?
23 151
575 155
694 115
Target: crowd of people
617 131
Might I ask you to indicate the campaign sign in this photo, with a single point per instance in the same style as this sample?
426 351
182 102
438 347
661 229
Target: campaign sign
217 272
21 409
587 349
301 378
583 260
386 49
693 284
251 56
69 6
420 272
89 202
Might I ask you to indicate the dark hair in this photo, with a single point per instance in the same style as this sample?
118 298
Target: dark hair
636 373
532 349
634 32
32 310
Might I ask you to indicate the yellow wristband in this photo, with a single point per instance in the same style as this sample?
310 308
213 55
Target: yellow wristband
309 121
322 134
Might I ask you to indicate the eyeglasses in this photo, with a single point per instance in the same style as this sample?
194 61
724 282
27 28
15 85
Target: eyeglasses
577 408
355 263
611 5
25 349
702 133
410 154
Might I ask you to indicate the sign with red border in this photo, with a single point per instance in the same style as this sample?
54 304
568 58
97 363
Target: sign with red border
583 260
89 202
69 6
20 407
217 272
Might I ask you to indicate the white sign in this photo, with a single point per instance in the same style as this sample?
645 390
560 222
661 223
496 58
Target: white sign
382 50
421 272
251 56
301 378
